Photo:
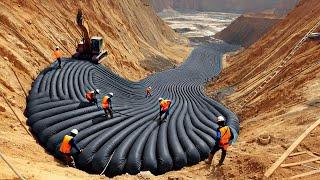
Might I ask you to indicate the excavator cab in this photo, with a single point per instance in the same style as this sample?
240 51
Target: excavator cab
89 48
97 45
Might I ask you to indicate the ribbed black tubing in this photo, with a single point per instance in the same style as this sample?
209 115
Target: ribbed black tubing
135 137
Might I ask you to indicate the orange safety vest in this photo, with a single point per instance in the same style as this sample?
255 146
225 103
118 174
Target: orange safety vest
90 95
105 102
225 137
65 145
57 54
165 104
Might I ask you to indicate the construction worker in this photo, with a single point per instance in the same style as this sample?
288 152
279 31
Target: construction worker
57 54
148 92
67 144
107 105
164 107
224 139
91 96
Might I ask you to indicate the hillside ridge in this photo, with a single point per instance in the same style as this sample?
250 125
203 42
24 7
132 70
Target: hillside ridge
247 29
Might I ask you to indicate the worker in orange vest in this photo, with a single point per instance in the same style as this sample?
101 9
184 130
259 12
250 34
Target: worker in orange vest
91 96
57 54
148 91
164 107
67 144
107 105
224 139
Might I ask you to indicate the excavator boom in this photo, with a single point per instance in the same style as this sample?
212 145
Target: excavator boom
84 30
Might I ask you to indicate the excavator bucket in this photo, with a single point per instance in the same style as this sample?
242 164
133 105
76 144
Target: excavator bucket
100 57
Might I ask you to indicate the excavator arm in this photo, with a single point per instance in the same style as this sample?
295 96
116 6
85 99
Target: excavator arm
84 30
89 48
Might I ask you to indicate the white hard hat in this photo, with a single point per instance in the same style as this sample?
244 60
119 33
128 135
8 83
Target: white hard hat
149 87
160 99
221 119
57 47
74 131
98 91
111 94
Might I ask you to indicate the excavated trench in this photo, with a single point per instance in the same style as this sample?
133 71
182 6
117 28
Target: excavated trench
135 139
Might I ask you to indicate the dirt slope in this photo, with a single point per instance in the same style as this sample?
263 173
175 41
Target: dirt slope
30 29
288 104
247 29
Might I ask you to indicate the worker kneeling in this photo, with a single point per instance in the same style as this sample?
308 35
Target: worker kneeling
67 144
107 105
164 107
224 139
91 96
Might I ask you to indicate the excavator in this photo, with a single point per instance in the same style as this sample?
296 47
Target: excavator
89 48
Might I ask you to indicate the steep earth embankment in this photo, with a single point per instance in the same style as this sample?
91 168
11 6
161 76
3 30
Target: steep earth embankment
240 6
247 29
31 29
287 105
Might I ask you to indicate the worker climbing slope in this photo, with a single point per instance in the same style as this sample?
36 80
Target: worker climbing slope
107 105
57 54
223 140
164 108
66 146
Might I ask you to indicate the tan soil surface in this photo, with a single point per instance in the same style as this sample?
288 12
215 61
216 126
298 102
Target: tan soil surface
287 106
